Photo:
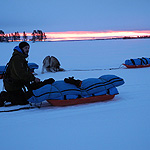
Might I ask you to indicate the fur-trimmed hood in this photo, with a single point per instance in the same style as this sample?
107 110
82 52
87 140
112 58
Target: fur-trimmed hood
17 48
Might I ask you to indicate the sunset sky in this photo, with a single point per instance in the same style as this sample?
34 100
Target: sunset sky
89 35
78 15
77 35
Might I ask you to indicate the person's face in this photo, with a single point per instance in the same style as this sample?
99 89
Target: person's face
26 49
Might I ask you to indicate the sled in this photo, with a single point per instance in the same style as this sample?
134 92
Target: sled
32 67
77 101
137 66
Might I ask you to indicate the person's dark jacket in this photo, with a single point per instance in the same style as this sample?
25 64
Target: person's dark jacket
17 72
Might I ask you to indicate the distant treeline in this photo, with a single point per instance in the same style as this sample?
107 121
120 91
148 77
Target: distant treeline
36 35
137 37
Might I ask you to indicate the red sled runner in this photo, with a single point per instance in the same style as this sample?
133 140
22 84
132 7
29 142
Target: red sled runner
70 102
137 66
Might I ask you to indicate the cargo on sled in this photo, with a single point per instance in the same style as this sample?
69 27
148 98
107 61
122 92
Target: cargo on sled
71 92
137 63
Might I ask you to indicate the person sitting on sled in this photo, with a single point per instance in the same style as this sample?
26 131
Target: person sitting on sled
17 77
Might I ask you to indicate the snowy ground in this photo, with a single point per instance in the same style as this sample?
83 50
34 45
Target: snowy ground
120 124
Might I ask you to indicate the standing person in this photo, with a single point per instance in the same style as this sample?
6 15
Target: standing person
18 76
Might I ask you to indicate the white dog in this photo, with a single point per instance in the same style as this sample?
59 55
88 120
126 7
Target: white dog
51 64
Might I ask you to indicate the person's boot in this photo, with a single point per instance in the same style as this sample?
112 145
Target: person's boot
1 101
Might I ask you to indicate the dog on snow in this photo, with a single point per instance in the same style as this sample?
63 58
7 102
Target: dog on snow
51 64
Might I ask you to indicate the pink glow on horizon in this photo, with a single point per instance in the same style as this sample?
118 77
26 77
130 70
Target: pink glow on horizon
89 35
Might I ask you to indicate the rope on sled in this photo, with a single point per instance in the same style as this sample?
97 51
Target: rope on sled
121 66
97 69
17 109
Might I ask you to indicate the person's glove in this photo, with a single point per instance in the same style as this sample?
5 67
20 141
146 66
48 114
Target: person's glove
48 81
36 80
34 85
71 80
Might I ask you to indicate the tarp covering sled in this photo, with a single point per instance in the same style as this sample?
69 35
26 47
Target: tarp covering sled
90 88
137 63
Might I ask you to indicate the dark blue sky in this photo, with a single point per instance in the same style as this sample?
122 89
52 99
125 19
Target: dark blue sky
74 15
